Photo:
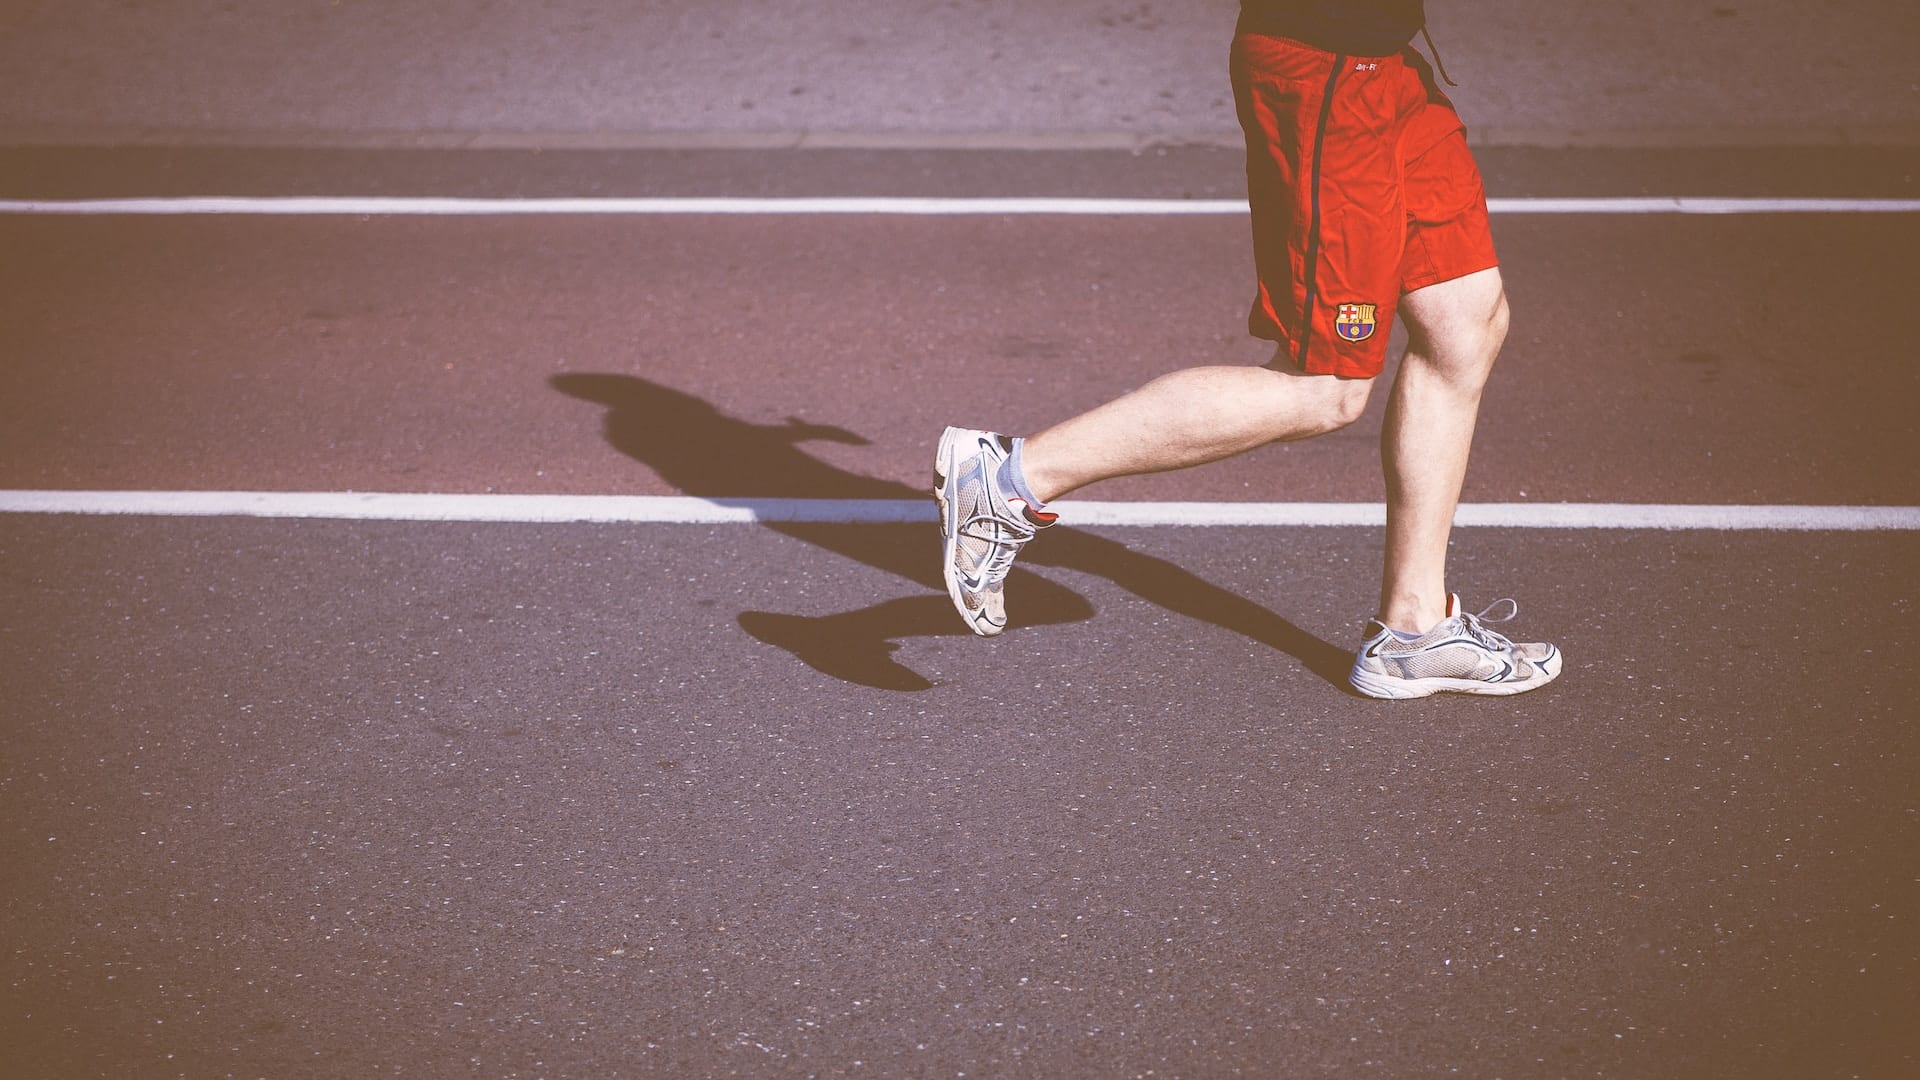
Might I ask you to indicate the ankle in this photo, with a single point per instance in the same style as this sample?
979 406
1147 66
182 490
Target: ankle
1413 614
1014 478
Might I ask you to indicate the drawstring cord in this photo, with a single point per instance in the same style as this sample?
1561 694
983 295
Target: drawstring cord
1437 62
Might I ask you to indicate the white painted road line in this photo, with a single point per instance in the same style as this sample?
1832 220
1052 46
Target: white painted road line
297 206
683 510
1685 204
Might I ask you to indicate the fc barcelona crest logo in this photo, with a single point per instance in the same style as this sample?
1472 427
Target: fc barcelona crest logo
1355 322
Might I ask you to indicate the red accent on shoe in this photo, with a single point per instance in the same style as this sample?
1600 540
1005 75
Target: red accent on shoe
1039 519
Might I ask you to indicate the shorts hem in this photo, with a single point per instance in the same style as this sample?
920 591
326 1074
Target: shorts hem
1284 352
1441 277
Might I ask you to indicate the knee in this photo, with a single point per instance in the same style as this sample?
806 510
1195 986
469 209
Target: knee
1477 337
1352 401
1301 406
1483 343
1494 334
1463 346
1345 401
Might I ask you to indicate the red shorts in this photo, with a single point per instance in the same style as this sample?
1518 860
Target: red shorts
1362 190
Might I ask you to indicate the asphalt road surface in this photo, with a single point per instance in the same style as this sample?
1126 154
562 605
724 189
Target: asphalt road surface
340 798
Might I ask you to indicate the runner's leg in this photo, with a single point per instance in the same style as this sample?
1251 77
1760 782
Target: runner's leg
1454 330
1189 418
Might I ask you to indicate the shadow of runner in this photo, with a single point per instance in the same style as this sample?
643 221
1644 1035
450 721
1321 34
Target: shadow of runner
708 454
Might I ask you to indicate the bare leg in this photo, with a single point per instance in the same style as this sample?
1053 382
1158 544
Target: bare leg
1188 418
1455 330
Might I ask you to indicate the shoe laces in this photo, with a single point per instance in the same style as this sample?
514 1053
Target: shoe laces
1004 537
1478 630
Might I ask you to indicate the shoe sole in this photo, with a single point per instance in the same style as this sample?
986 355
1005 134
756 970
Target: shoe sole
943 468
1386 687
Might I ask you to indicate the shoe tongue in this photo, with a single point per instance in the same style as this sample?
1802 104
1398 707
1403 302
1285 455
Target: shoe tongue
1453 604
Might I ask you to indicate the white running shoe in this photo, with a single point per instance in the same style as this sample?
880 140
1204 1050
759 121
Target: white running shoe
1461 655
982 527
